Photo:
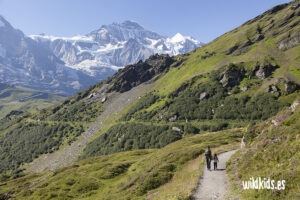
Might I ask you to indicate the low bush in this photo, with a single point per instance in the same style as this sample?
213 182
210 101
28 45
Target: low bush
129 136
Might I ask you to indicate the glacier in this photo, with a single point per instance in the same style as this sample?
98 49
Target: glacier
114 46
66 65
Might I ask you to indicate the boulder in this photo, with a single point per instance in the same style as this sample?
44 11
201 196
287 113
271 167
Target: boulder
174 128
294 105
203 95
291 87
92 95
244 89
172 119
103 99
289 42
272 89
275 123
232 76
263 72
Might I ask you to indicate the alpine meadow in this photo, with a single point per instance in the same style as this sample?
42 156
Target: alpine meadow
142 133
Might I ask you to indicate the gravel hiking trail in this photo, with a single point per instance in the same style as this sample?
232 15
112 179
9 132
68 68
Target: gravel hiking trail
69 154
214 184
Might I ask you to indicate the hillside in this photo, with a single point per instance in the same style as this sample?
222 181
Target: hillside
14 98
273 148
165 111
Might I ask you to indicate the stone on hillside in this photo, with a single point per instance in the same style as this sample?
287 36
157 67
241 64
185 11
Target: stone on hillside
232 76
275 88
244 89
291 87
265 71
92 95
272 89
203 95
275 123
103 99
174 128
260 37
172 119
295 105
288 43
295 6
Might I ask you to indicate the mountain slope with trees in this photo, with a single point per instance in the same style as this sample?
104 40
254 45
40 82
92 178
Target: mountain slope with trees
215 95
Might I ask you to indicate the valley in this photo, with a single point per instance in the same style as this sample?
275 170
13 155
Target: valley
143 132
14 98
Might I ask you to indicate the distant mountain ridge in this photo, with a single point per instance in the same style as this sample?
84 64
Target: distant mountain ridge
67 65
18 99
101 52
142 133
24 62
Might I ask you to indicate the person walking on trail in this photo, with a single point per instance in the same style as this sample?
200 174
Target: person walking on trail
208 157
216 160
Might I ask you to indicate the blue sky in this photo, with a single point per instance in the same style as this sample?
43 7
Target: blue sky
202 19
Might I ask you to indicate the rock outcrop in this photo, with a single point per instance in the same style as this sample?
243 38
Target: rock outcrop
203 95
295 104
232 76
291 87
264 71
133 75
273 89
288 43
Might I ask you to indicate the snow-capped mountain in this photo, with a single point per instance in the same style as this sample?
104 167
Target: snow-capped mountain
25 62
103 51
66 65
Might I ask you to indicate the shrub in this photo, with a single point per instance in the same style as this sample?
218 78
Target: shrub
129 136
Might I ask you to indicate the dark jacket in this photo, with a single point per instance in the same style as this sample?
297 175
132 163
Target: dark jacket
208 154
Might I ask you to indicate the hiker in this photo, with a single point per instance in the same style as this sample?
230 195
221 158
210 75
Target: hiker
208 157
216 160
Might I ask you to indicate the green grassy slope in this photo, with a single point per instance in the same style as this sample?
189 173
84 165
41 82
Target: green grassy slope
25 136
126 175
272 151
242 78
246 75
23 99
254 41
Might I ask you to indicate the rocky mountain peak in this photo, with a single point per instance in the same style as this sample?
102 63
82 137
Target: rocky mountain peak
63 62
120 32
130 25
3 22
178 38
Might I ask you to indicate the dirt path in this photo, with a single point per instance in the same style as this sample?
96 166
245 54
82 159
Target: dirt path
67 155
214 184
